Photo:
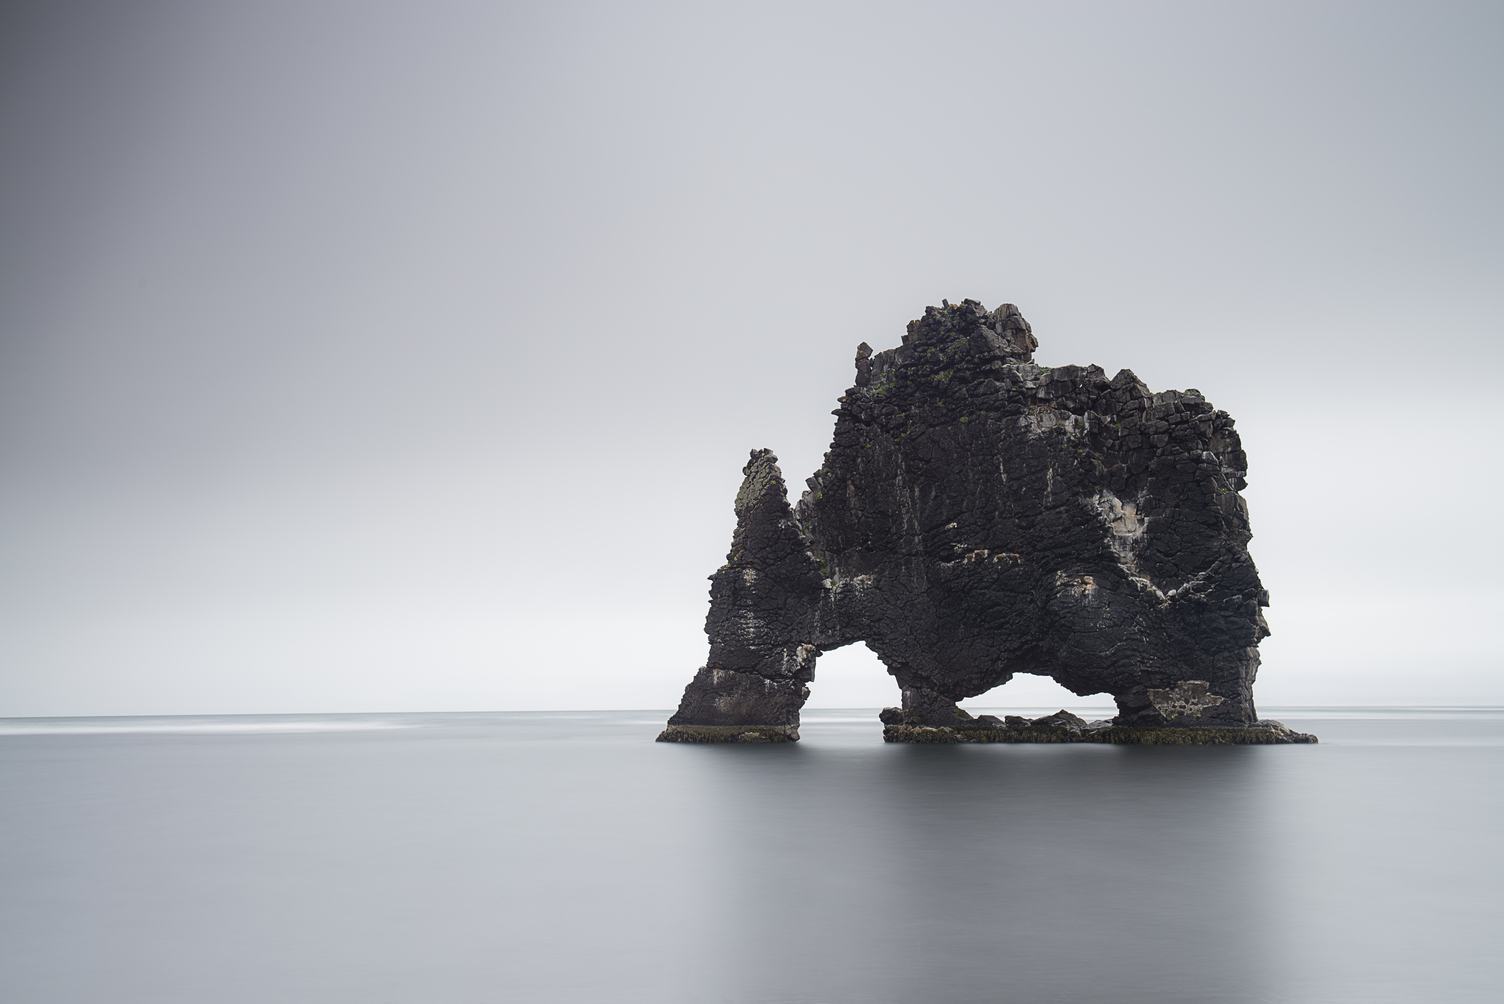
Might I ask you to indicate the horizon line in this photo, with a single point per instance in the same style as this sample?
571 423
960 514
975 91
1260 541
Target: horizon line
670 711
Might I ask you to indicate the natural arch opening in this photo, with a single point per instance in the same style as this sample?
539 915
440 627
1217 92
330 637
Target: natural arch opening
1031 696
852 677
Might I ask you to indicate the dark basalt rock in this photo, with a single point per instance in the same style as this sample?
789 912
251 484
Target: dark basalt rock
976 516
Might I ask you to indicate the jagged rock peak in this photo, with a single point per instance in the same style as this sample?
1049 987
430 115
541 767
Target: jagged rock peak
762 483
1002 331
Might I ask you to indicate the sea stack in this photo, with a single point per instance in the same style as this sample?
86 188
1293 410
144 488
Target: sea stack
978 515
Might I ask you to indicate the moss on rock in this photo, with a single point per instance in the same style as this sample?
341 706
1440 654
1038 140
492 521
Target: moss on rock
729 734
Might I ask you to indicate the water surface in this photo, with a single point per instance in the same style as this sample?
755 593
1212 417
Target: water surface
566 857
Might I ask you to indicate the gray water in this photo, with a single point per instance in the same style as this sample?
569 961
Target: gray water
567 857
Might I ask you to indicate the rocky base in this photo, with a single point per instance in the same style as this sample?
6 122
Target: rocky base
1064 727
729 734
1061 727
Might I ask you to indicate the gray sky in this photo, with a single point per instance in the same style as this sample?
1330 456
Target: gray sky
361 356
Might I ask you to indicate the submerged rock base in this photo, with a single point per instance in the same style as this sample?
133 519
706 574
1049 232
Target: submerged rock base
729 734
1062 727
1065 727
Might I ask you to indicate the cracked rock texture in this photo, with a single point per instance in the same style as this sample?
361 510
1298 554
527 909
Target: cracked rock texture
978 515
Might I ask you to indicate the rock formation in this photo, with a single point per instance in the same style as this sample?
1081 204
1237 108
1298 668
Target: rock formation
978 515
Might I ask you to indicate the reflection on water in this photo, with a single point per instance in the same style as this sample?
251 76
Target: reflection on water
940 872
567 857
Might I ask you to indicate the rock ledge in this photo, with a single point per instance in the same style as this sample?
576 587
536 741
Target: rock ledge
1049 730
729 734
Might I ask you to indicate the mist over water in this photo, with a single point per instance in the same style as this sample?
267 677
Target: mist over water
404 355
567 857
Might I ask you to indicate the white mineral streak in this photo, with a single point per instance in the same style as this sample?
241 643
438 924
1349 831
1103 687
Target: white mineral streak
1187 699
1039 420
1125 535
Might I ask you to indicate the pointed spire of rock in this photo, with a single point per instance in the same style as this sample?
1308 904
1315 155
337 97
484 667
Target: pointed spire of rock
863 364
763 606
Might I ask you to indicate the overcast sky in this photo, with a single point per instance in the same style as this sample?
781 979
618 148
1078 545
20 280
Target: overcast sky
404 356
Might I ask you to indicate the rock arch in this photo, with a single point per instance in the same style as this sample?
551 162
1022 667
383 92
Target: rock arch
976 516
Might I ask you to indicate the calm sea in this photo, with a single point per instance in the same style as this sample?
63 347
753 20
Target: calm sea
566 857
